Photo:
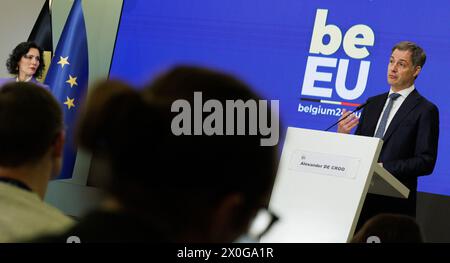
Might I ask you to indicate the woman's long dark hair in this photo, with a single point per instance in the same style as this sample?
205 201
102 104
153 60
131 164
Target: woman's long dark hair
12 64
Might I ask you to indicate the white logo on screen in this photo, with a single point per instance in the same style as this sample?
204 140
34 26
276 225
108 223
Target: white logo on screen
73 239
355 42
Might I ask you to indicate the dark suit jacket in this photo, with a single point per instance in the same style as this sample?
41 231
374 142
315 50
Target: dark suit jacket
410 144
105 226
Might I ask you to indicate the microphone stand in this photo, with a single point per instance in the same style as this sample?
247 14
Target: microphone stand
357 109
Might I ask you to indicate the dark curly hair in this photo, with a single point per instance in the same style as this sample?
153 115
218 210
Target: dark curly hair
17 54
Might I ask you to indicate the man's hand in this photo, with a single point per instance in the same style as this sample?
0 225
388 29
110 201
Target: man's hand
349 123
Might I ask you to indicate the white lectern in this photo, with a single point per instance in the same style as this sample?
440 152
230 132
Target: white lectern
321 184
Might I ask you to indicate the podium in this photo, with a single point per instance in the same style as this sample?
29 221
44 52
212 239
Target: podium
322 181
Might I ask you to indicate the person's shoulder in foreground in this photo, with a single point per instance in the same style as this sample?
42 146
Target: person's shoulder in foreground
107 226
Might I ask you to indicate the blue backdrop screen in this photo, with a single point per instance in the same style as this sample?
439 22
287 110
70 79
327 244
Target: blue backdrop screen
316 57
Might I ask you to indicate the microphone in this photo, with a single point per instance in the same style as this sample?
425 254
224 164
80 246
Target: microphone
355 110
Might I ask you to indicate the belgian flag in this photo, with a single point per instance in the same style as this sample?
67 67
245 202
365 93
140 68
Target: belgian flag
42 34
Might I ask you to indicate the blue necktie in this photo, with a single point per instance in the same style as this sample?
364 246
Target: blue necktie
382 127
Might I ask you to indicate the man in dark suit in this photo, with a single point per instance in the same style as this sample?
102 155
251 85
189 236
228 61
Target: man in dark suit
408 124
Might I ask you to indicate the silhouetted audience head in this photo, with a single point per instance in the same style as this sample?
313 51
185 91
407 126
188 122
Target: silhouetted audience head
193 188
389 228
31 150
31 135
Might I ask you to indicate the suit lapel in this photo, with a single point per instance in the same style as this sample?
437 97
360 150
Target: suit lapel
375 113
410 102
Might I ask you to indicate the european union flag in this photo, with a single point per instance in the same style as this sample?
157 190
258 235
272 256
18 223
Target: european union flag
68 77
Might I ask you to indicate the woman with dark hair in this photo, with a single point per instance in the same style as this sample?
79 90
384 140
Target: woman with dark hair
26 63
389 228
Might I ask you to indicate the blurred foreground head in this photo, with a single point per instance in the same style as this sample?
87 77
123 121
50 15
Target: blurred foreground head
390 228
193 188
